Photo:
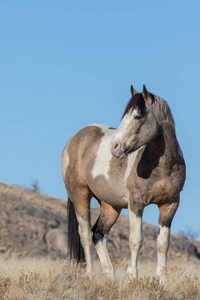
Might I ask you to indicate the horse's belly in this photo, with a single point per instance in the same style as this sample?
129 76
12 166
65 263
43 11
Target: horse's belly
111 193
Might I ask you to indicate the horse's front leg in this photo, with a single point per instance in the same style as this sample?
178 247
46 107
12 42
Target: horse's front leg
167 212
135 238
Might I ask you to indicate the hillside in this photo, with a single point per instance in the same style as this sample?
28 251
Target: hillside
34 224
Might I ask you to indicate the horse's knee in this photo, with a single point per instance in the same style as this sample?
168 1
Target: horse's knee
106 220
135 242
98 235
100 229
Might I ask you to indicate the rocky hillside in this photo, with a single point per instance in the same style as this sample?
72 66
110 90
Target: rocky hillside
34 224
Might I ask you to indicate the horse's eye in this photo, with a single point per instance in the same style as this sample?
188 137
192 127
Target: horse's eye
137 117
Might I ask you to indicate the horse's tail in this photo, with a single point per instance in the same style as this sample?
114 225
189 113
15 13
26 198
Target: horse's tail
75 249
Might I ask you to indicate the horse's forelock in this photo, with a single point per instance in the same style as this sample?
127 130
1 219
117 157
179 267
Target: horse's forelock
135 101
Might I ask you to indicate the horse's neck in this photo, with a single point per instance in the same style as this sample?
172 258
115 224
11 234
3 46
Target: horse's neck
168 146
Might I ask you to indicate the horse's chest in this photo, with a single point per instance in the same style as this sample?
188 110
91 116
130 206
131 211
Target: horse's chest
163 190
162 186
106 176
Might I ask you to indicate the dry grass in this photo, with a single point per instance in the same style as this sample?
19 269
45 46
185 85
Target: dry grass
31 278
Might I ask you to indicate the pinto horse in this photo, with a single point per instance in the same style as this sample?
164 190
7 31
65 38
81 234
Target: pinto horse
138 164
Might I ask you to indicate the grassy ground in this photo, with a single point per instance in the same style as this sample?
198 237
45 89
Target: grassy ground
31 278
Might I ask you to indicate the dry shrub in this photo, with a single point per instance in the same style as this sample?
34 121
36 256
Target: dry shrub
181 285
30 278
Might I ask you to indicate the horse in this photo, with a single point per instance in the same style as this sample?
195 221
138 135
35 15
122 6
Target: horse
138 164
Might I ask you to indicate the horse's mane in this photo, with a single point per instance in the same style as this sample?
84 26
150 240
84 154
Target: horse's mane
164 111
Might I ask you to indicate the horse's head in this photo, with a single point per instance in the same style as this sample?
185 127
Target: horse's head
139 124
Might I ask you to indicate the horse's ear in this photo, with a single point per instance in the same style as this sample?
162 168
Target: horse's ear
133 91
147 97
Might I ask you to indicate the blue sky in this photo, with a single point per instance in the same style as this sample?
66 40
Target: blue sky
67 64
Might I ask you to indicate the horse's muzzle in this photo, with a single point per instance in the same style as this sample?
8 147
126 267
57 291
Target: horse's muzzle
117 149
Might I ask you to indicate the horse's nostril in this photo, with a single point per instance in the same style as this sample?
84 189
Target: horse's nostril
115 146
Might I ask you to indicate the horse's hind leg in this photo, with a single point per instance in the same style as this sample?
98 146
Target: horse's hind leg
106 220
81 200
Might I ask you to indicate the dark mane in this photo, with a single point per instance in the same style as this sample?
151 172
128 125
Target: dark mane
137 101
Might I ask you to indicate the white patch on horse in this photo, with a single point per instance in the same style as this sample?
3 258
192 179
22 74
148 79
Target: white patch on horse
127 119
103 157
